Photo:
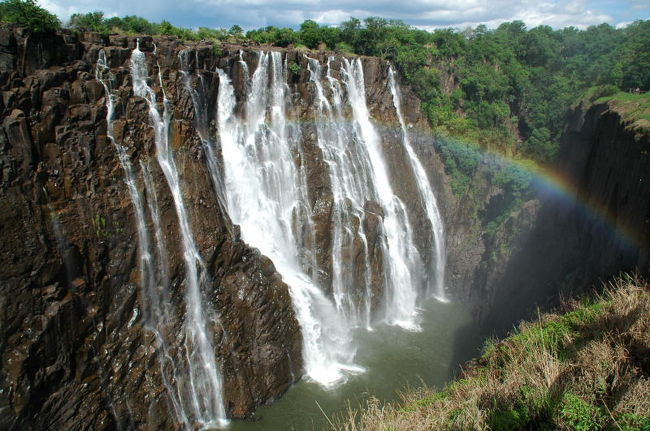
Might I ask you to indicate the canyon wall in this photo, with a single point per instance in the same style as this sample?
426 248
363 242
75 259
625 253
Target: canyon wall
76 353
75 346
589 221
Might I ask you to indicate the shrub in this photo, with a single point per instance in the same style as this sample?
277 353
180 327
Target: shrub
27 13
294 68
580 415
344 48
93 21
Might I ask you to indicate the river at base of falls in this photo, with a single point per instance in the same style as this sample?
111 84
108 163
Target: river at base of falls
394 360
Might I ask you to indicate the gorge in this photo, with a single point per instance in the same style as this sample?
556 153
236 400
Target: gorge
190 229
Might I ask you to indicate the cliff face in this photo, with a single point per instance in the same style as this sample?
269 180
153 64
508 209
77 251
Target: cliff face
570 239
75 347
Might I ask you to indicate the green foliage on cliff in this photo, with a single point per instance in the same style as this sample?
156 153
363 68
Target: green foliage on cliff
27 13
508 89
584 370
634 109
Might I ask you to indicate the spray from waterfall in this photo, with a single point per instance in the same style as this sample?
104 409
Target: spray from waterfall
427 196
267 197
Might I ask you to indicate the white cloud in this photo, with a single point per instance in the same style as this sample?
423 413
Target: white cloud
421 13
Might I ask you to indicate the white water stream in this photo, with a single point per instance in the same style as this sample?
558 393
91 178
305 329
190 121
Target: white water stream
267 198
427 197
264 188
402 262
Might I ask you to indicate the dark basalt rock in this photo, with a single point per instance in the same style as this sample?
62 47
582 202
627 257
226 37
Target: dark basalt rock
74 350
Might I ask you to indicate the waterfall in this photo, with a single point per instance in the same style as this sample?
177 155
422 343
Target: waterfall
402 262
351 188
201 124
267 197
259 173
426 195
203 397
155 318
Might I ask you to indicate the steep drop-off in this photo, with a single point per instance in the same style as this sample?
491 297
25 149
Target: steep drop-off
76 342
589 222
75 350
78 345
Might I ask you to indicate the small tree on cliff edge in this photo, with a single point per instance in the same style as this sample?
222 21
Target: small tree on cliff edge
27 13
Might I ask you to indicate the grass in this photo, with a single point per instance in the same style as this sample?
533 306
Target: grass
586 369
633 108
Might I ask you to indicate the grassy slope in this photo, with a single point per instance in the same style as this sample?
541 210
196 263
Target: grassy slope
586 369
634 109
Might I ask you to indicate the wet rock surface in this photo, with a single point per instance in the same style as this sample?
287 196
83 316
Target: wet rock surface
76 351
74 346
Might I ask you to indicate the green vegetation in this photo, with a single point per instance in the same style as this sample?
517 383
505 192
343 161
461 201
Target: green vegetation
99 223
583 370
634 109
506 89
27 13
294 67
95 21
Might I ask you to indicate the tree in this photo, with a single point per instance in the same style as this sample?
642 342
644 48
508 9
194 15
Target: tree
236 31
93 21
310 34
539 146
27 13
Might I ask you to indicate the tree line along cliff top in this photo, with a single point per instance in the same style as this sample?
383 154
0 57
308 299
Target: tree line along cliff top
508 88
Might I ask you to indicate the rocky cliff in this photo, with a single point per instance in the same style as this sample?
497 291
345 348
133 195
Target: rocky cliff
75 346
75 351
588 223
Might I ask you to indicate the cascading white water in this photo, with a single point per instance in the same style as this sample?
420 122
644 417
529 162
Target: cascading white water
203 398
402 261
154 276
348 167
267 198
144 250
427 196
200 102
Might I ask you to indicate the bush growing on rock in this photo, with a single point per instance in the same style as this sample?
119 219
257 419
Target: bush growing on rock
27 13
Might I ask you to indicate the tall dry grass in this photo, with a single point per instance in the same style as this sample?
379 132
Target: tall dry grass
585 369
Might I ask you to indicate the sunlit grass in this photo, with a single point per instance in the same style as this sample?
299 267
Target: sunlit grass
581 370
633 108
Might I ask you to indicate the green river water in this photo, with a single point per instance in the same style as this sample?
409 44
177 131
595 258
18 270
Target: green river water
393 359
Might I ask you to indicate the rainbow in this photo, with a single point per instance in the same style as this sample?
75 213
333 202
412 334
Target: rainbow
546 180
559 186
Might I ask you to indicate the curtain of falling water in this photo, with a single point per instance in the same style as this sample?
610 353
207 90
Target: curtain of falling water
427 196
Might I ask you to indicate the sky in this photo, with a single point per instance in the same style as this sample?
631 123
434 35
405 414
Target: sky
426 14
